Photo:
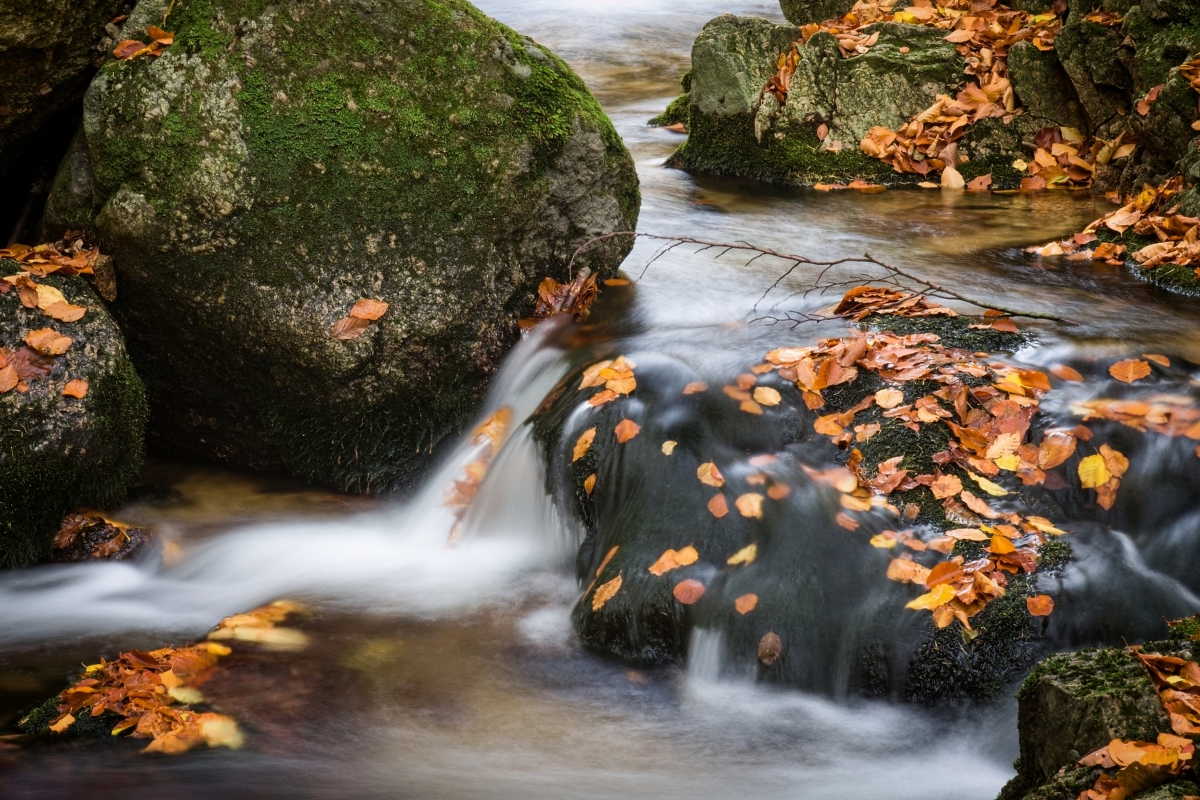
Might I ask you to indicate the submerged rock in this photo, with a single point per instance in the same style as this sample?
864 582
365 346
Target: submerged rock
58 452
279 163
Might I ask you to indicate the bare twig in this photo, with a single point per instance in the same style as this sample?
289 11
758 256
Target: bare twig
895 276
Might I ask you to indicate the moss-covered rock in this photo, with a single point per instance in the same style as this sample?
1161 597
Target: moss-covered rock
48 50
59 453
1043 87
802 12
737 129
280 162
1099 67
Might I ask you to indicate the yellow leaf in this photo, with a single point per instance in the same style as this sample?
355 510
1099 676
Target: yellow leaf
993 489
219 730
62 723
1009 462
884 542
750 505
48 296
186 694
767 396
744 556
605 592
939 596
710 475
1092 472
583 443
1044 525
589 483
668 447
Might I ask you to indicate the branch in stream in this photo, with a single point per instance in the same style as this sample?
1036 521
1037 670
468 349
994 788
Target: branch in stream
896 276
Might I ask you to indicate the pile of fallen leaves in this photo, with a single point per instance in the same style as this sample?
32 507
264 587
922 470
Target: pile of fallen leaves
983 31
1153 213
129 49
34 361
153 693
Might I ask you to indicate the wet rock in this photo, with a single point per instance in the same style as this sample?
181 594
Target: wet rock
1043 87
1099 67
738 129
87 536
679 111
59 453
1074 703
48 50
278 164
802 12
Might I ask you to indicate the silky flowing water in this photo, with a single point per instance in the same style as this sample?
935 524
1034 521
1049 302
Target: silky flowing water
453 672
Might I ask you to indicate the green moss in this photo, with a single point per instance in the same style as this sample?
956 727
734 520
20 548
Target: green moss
1092 672
679 111
955 332
1186 629
725 145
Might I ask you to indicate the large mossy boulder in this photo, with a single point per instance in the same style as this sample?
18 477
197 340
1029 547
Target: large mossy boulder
48 50
802 12
59 453
1043 87
736 128
281 161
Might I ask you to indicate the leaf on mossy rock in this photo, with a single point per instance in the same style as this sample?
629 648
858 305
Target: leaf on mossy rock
605 592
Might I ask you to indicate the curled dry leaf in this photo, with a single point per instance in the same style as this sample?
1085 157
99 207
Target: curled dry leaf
605 592
750 505
746 603
583 443
1040 605
74 388
770 647
1161 360
626 429
370 310
709 475
1129 370
688 592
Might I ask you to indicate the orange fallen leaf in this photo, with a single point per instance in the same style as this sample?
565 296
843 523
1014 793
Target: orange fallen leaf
1065 373
76 388
369 309
349 328
846 521
751 407
668 447
583 443
695 387
64 312
600 398
688 592
750 505
746 603
1005 326
8 379
48 342
717 506
626 429
1161 360
1129 370
1040 605
605 592
674 559
709 475
778 491
589 483
767 396
946 486
889 398
744 556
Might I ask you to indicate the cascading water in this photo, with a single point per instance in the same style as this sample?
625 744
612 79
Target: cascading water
439 671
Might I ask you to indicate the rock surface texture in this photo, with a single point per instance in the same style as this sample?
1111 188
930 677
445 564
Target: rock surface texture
282 161
59 453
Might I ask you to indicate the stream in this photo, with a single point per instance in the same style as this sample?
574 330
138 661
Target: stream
454 672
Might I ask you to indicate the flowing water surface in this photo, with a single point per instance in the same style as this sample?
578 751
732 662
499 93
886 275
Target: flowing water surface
453 672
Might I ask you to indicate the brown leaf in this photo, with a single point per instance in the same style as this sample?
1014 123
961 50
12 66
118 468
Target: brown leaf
889 398
626 429
369 309
980 184
746 603
767 396
8 379
688 592
695 387
846 521
350 328
127 48
64 312
75 388
1065 373
1129 370
946 486
1161 360
769 648
717 506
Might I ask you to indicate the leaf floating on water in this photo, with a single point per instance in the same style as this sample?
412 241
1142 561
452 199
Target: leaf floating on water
751 407
717 506
668 447
674 559
695 387
688 592
767 396
605 592
1039 605
846 521
1063 372
770 647
1093 472
750 505
1161 360
75 388
778 491
1129 370
938 596
709 475
591 375
583 443
746 603
744 556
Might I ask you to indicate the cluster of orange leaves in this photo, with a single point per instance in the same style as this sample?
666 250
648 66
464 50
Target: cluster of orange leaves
69 256
485 443
129 49
355 324
986 405
1169 415
574 298
85 519
154 693
1152 213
